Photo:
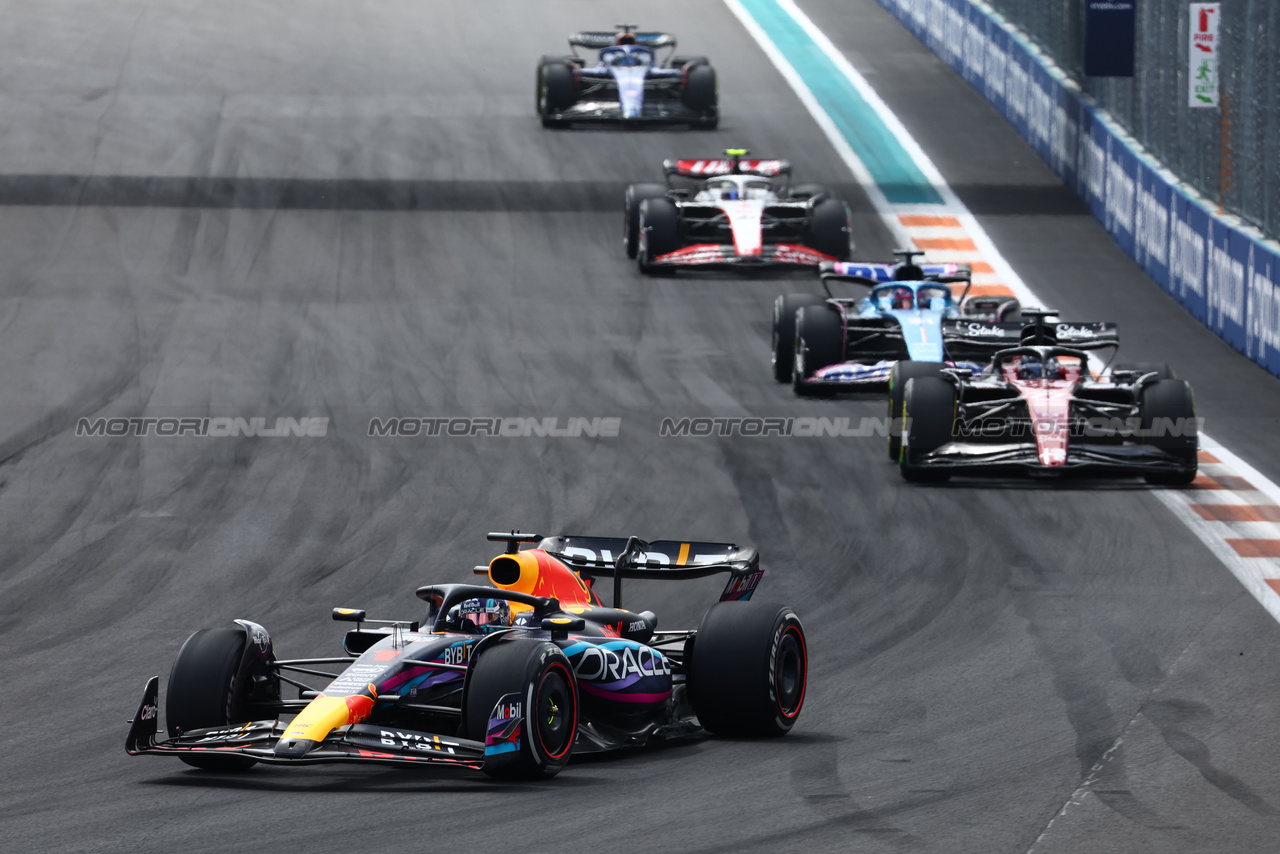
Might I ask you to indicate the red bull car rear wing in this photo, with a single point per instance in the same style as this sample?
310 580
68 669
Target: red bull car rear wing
631 557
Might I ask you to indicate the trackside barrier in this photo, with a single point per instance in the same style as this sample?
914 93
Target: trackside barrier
1222 272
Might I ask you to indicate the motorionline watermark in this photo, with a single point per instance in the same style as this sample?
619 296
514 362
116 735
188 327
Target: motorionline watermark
506 427
867 427
801 426
211 427
1096 427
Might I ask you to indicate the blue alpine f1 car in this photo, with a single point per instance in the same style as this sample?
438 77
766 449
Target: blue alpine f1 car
627 83
910 314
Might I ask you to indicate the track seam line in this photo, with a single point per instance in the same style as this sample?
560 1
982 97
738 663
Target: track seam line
1081 791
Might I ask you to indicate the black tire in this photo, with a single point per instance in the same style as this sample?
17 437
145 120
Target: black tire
636 193
748 669
1161 369
659 226
829 229
819 342
784 331
930 404
1170 403
682 61
700 89
542 676
898 376
203 691
809 191
537 77
557 90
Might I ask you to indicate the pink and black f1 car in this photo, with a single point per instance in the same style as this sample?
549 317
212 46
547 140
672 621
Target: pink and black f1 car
511 678
738 213
1041 408
627 83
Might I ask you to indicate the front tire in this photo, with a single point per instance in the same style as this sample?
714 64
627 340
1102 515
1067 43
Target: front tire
543 678
1168 422
929 404
636 193
557 91
748 669
203 692
784 331
659 233
819 342
898 377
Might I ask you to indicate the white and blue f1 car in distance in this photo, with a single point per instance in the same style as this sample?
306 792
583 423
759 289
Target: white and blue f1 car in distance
627 83
910 315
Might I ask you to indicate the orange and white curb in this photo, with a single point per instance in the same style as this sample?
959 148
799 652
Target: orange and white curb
1235 511
944 239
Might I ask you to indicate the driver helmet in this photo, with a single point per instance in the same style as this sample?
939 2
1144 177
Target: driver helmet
486 614
1030 368
729 191
903 298
625 38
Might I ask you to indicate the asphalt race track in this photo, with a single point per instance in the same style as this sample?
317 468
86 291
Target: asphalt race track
349 210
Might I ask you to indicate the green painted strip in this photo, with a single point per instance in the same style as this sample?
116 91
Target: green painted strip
889 164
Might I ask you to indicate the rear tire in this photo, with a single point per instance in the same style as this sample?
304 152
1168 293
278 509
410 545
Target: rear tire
819 342
636 193
542 676
1168 406
659 233
682 61
898 376
748 669
829 229
700 89
203 692
784 331
930 404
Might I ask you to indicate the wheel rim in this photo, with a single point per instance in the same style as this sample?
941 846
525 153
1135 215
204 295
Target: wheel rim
556 712
790 668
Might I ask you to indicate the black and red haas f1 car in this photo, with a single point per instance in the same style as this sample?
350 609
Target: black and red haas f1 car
511 678
736 213
1041 408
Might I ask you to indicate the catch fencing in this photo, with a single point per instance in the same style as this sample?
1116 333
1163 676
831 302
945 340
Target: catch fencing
1231 156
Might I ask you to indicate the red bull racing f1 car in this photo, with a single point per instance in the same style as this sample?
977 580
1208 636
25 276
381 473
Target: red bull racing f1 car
510 678
738 213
